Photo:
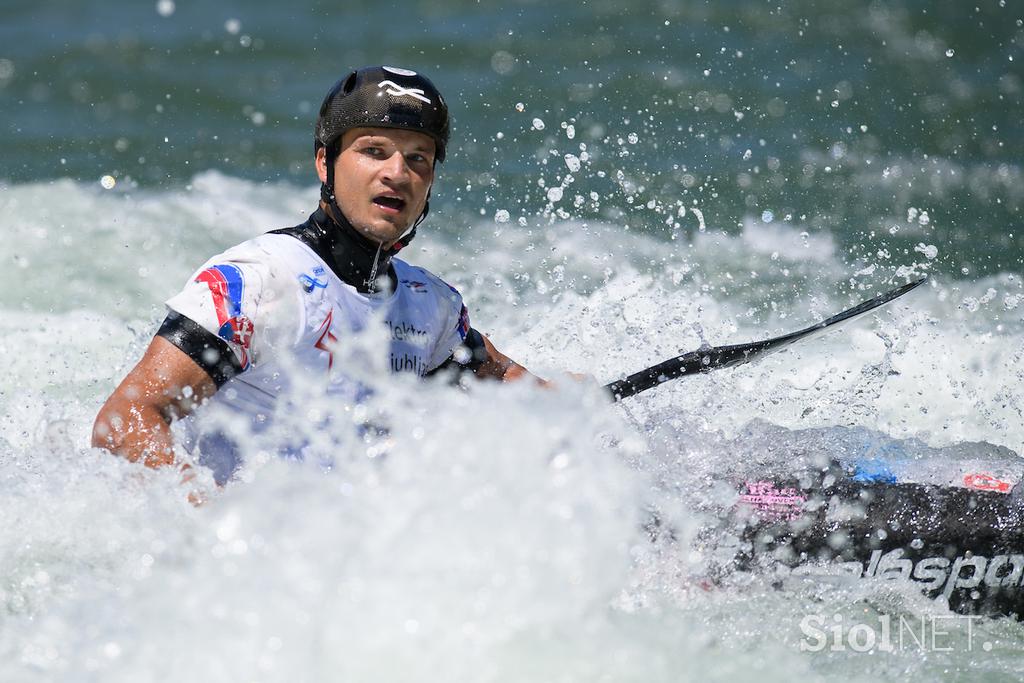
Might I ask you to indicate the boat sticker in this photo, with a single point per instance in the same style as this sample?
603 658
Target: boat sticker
986 482
773 502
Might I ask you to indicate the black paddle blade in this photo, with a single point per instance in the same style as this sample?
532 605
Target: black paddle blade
705 360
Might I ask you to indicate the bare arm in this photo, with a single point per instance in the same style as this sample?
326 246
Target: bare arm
499 366
135 421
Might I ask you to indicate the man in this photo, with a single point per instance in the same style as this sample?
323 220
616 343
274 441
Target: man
234 334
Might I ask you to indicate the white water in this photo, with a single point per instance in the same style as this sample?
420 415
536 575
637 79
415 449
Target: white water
500 539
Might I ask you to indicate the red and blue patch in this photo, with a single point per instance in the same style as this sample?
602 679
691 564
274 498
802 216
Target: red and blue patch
416 286
463 326
226 287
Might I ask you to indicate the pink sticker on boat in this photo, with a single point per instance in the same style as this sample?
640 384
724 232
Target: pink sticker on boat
771 501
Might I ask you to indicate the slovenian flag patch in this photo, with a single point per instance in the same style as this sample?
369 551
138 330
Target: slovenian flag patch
226 288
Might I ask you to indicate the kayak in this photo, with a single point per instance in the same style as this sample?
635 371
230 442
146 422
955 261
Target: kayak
961 544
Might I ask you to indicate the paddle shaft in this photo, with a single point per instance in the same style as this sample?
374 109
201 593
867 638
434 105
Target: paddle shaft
714 358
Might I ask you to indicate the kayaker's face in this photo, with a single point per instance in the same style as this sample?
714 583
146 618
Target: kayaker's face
381 180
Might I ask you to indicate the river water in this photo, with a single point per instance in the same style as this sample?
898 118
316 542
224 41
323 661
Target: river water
626 182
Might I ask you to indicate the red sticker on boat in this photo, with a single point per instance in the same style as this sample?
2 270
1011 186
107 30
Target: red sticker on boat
986 482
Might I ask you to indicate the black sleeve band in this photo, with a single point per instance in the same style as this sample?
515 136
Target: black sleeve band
468 357
209 351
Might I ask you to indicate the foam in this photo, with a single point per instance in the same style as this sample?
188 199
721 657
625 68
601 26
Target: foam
501 536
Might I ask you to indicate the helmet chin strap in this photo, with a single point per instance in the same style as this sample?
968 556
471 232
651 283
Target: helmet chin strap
404 240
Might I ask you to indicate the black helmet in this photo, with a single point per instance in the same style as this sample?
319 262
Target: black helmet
382 97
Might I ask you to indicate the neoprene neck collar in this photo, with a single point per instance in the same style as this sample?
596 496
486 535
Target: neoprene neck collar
354 259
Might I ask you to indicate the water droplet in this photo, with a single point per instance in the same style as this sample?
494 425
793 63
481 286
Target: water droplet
503 62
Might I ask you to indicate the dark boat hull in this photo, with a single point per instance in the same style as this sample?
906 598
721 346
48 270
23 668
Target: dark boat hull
961 545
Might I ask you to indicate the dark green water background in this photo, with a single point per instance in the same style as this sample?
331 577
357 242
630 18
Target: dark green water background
842 116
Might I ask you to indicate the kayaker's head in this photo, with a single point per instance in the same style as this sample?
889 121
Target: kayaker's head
379 134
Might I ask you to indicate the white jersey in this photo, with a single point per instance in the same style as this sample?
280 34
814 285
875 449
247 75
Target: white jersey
276 303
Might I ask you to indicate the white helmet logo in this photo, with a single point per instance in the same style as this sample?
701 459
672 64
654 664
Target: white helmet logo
399 72
397 90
